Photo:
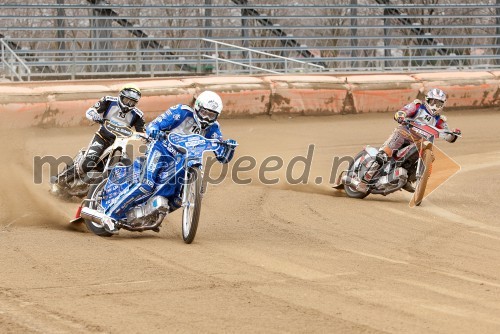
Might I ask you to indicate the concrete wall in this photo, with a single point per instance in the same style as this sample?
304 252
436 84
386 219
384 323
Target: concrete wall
63 103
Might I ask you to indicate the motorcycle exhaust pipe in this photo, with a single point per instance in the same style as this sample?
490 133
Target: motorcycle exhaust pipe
356 184
349 181
93 215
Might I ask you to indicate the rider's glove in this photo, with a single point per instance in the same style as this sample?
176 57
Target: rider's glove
453 138
400 117
228 152
93 115
155 134
231 143
97 118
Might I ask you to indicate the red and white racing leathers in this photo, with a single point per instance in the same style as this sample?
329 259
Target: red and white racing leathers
415 111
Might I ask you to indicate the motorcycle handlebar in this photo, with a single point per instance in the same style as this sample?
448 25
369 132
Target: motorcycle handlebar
446 132
164 134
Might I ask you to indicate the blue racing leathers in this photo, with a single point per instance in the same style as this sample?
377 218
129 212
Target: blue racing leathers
160 158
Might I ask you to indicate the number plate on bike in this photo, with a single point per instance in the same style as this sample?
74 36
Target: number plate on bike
118 130
424 131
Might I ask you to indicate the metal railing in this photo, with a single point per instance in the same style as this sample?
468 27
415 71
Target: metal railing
12 65
285 64
93 38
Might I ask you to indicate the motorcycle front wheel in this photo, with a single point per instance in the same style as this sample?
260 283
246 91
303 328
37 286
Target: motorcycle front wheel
192 206
422 181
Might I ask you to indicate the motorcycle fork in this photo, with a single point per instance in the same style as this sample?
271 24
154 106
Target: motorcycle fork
113 156
418 173
421 147
185 185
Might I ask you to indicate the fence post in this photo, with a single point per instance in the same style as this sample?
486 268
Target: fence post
137 57
73 67
250 61
3 59
198 61
409 64
12 69
216 59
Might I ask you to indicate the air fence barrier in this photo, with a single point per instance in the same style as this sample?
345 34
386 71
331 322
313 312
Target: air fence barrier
63 103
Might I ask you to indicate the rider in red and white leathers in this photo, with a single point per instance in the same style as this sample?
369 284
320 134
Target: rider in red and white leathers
427 112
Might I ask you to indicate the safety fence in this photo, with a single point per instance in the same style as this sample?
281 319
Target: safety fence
75 39
57 103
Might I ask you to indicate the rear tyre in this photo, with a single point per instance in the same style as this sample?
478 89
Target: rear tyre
349 190
192 208
422 182
94 194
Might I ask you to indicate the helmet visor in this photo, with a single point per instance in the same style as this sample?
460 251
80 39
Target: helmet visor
435 102
128 101
207 114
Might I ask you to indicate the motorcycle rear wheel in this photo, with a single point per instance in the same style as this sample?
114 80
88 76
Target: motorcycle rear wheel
94 192
350 191
192 208
422 182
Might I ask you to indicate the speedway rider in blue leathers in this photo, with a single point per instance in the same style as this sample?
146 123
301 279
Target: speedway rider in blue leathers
182 119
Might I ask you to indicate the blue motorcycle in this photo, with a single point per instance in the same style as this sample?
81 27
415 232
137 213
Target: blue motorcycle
183 169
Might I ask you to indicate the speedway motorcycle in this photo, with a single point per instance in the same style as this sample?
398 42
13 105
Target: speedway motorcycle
409 168
150 212
116 153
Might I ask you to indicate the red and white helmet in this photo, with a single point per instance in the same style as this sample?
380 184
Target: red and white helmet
207 108
435 100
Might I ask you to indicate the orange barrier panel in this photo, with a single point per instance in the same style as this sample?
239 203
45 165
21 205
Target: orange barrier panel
382 93
242 96
307 94
464 89
19 107
63 103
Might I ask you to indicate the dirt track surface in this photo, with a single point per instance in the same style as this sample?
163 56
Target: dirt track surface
268 259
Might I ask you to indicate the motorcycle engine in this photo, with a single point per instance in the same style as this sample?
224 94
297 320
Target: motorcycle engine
153 205
396 178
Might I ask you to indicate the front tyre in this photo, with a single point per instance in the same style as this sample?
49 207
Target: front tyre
192 206
422 182
93 199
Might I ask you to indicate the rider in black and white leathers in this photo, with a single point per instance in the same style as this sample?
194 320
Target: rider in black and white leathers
119 109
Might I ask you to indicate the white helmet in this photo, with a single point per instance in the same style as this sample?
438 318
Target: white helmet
130 95
207 108
435 100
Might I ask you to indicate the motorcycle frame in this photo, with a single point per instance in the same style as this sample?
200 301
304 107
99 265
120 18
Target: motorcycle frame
419 146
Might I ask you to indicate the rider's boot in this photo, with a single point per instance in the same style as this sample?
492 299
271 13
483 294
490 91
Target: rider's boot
65 178
174 203
61 181
380 159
